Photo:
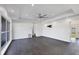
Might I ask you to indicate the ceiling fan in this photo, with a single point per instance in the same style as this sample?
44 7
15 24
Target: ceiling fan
42 15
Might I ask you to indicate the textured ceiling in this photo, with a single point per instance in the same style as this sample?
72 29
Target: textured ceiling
23 12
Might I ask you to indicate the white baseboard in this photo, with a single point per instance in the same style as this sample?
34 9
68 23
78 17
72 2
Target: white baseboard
58 39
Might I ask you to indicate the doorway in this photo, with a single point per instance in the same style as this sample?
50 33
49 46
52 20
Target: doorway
75 29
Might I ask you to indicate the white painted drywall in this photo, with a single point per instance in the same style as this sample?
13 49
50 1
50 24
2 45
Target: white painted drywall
38 29
60 30
21 30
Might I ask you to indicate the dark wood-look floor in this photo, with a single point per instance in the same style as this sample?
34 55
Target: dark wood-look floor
42 46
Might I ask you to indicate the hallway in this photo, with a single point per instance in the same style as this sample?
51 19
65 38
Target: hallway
42 46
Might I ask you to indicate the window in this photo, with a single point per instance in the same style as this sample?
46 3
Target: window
5 31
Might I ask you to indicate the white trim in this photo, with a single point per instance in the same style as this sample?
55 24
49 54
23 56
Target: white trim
5 47
0 32
4 31
58 39
3 13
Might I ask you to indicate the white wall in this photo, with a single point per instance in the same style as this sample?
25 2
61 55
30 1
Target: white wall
21 30
38 29
60 30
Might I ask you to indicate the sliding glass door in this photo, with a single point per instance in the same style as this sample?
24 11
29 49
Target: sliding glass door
5 31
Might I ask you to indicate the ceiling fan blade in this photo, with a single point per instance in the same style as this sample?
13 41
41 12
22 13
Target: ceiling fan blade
45 15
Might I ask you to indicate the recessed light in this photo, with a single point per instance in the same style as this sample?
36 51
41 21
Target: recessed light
32 5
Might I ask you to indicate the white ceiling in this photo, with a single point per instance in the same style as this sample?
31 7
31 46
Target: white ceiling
29 13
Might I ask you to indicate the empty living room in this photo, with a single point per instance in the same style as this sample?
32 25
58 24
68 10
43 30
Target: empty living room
39 29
